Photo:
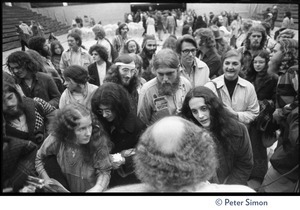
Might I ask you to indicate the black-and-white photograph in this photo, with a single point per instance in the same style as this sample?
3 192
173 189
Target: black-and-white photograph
119 98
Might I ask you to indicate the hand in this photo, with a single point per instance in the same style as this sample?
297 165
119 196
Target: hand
117 160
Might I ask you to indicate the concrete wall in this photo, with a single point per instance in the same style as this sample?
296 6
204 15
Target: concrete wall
108 13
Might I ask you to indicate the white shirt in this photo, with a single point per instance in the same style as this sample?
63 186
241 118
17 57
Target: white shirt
101 72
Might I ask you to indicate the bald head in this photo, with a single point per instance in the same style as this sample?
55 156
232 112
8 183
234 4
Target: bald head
167 134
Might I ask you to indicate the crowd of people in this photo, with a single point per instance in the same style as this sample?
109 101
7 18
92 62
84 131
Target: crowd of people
197 115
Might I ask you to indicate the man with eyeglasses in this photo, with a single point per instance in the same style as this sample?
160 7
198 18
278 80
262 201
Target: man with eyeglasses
124 72
191 67
163 95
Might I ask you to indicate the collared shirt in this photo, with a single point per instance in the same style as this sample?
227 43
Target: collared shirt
244 99
152 106
199 75
101 72
70 57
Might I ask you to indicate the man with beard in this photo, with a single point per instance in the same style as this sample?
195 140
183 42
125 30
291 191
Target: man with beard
25 127
120 39
191 67
33 83
39 45
148 50
125 73
75 55
253 44
163 95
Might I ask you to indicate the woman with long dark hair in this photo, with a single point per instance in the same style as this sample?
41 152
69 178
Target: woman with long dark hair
265 88
80 146
203 107
111 105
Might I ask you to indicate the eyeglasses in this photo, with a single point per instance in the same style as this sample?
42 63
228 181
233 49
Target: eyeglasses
126 70
106 111
187 51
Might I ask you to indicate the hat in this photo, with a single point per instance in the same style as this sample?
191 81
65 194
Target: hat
215 29
170 159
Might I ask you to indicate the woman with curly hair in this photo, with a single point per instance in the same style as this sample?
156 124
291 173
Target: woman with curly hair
111 105
80 146
203 107
262 127
98 69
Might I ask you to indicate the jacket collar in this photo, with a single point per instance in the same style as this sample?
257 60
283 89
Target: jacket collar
221 82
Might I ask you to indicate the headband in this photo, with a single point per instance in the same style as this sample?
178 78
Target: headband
130 65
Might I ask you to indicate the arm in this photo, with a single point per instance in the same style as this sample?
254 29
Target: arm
252 109
49 147
63 63
243 159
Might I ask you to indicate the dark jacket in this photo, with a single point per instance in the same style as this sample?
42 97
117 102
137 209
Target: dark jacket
286 156
43 87
123 138
93 73
235 167
213 61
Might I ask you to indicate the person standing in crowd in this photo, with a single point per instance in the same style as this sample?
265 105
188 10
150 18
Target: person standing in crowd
208 52
37 29
100 37
80 147
150 25
40 45
97 70
195 70
175 155
120 39
235 27
159 25
75 55
149 47
78 90
254 43
56 49
22 37
111 106
130 46
187 29
237 94
199 23
221 45
262 127
125 73
138 65
25 127
170 42
202 107
246 25
171 24
270 42
32 82
26 30
284 62
287 23
275 15
51 38
163 95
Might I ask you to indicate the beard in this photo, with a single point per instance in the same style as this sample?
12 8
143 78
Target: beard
13 114
168 88
255 46
149 53
131 85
